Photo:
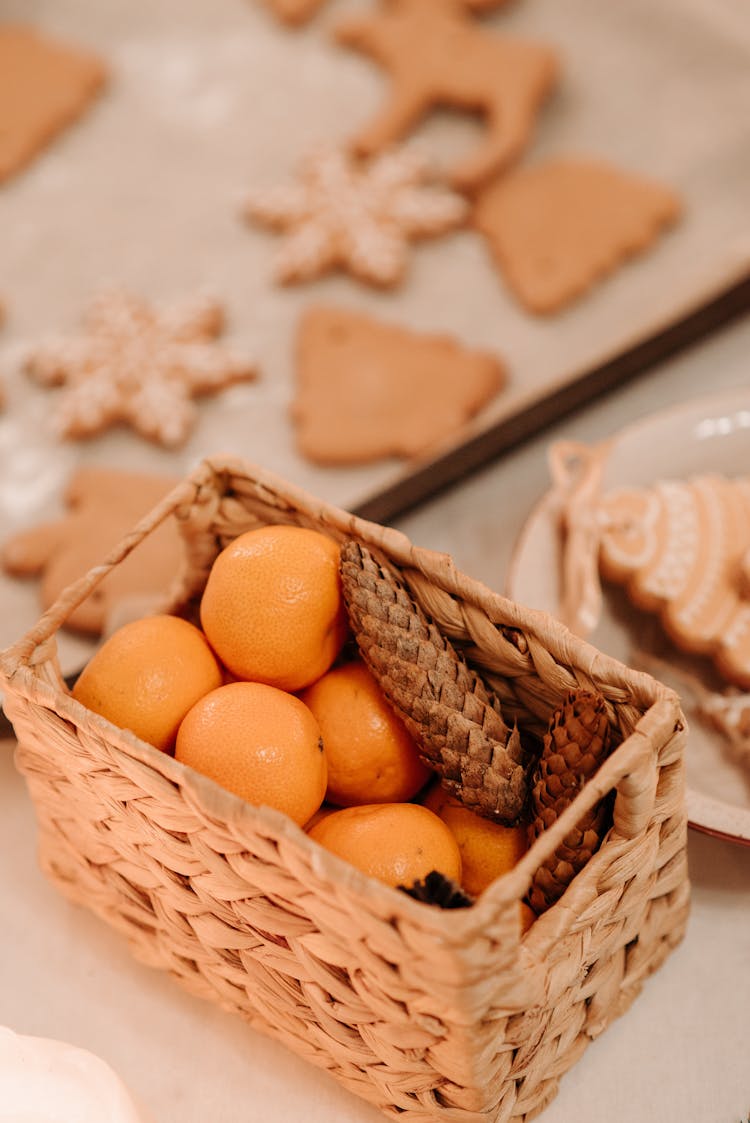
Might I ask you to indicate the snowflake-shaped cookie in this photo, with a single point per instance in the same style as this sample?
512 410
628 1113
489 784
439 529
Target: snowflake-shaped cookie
138 365
356 217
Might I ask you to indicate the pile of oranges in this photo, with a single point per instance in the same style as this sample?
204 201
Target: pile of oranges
267 699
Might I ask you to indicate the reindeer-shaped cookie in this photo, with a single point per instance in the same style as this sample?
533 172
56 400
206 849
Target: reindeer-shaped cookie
439 56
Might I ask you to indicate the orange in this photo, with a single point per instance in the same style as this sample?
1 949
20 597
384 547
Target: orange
398 843
147 675
272 607
371 756
487 849
324 810
260 743
528 916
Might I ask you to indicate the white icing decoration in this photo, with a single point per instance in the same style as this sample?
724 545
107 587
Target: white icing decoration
671 574
738 628
716 539
339 213
139 365
644 526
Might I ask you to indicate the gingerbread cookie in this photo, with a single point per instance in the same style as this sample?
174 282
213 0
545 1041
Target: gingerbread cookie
361 219
294 12
2 388
556 228
138 365
367 390
104 504
44 87
438 55
484 5
682 549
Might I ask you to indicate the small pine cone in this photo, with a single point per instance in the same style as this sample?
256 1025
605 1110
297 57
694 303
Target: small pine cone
437 889
444 704
576 743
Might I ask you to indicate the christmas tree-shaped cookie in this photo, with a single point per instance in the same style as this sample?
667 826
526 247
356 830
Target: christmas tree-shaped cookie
557 227
44 86
368 389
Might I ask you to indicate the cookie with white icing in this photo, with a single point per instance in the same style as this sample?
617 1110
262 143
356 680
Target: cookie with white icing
140 365
682 549
361 218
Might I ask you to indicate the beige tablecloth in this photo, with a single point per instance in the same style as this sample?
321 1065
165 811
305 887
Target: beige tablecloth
679 1055
207 99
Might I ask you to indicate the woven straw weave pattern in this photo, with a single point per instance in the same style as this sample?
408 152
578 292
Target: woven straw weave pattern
427 1014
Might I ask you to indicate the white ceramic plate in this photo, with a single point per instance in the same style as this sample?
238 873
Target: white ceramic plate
707 434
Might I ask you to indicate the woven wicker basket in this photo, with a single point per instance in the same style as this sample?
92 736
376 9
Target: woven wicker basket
429 1014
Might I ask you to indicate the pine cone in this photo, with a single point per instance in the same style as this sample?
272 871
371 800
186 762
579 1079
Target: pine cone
444 704
437 889
576 743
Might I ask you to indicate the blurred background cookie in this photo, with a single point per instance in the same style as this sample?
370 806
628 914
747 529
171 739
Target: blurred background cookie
140 365
555 228
44 86
339 214
103 504
438 56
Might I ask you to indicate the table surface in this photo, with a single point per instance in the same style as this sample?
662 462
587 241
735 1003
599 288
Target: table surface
678 1056
680 1053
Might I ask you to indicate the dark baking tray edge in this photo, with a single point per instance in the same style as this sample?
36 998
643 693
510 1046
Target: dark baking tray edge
435 475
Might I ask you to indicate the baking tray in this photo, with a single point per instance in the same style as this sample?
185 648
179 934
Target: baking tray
206 102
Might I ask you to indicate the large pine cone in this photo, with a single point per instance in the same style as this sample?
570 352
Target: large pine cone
577 741
450 713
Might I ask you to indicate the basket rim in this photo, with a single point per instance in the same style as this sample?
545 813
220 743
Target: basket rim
21 669
576 650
